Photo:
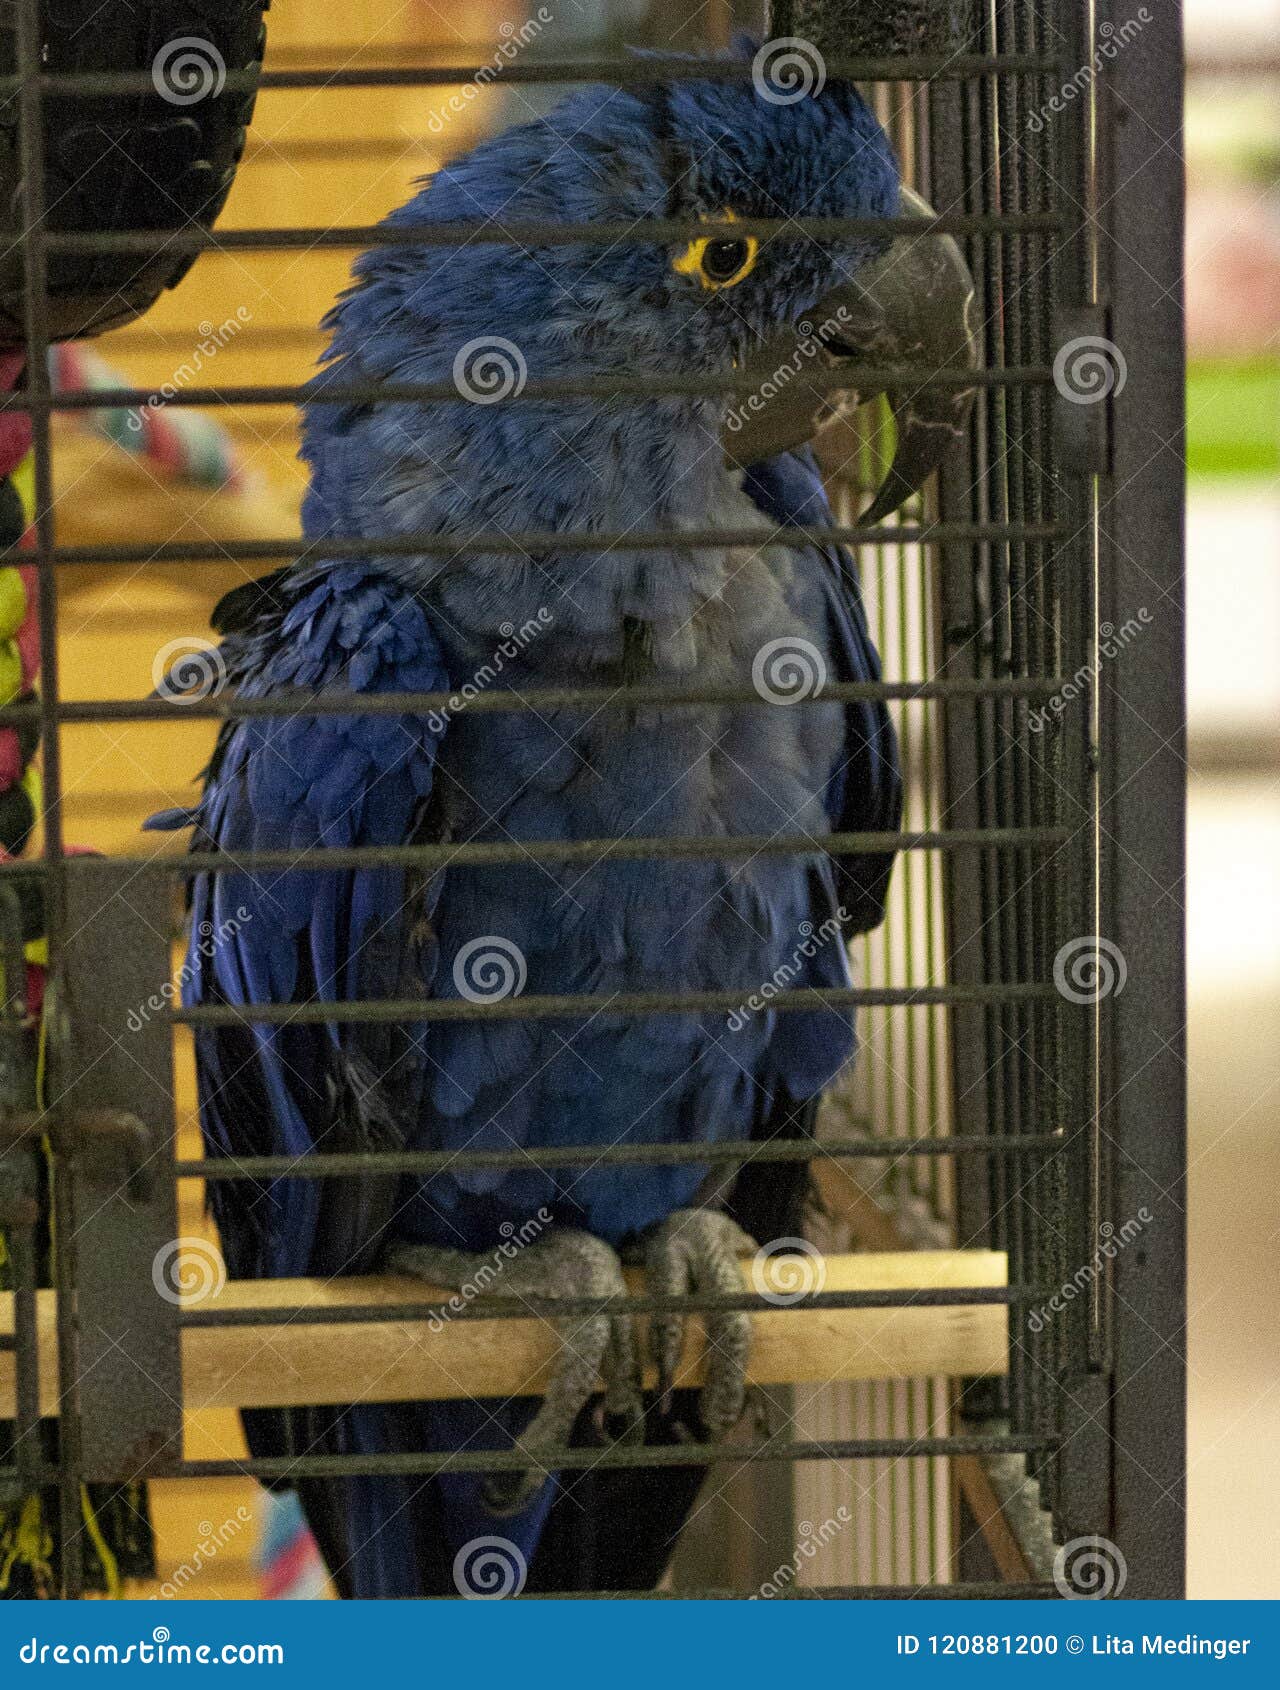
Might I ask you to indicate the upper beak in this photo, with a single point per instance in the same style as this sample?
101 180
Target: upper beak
911 309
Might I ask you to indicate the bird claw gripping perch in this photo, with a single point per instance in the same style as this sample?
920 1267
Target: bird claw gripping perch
561 1263
696 1251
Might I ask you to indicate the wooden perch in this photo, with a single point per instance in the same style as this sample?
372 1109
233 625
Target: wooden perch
278 1365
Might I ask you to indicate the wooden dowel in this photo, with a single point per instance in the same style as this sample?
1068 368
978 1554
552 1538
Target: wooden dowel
279 1365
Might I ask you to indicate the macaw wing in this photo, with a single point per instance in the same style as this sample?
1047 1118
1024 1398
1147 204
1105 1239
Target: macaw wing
299 783
864 794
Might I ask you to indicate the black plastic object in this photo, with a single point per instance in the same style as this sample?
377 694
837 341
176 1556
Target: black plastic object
161 159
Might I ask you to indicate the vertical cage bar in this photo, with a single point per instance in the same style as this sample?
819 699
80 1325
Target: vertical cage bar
36 324
1142 797
1080 1487
27 1452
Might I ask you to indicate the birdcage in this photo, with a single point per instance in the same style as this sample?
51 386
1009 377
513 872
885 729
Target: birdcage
985 1378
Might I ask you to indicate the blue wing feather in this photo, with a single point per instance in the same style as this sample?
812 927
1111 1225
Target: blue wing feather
299 784
865 792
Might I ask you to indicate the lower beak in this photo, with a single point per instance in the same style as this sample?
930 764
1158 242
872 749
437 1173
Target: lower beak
912 310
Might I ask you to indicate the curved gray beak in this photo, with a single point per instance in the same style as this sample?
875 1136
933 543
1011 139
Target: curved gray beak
911 309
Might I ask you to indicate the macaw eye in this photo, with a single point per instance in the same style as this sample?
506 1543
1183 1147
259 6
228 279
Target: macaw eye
726 262
721 261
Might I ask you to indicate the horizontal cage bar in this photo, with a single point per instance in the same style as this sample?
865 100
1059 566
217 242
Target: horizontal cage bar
287 703
519 543
620 73
590 851
614 386
528 233
420 1464
543 1008
527 1306
759 1152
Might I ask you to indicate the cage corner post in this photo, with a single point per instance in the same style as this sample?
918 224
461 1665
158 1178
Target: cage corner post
1142 775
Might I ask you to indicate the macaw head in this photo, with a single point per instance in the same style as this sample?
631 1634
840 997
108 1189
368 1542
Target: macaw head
705 152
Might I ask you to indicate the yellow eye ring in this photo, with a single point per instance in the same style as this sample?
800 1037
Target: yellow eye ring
719 261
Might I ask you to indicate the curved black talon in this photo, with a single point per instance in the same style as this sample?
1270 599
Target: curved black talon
697 1251
562 1262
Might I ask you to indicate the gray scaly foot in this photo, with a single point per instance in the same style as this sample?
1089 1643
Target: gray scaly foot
697 1250
561 1263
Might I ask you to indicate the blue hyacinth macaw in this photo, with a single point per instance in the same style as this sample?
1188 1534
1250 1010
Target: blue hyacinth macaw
526 621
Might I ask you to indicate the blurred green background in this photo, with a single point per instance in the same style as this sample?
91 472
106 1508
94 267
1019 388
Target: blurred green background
1233 889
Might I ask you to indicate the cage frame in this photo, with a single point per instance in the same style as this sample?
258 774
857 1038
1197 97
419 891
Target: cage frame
1124 1390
